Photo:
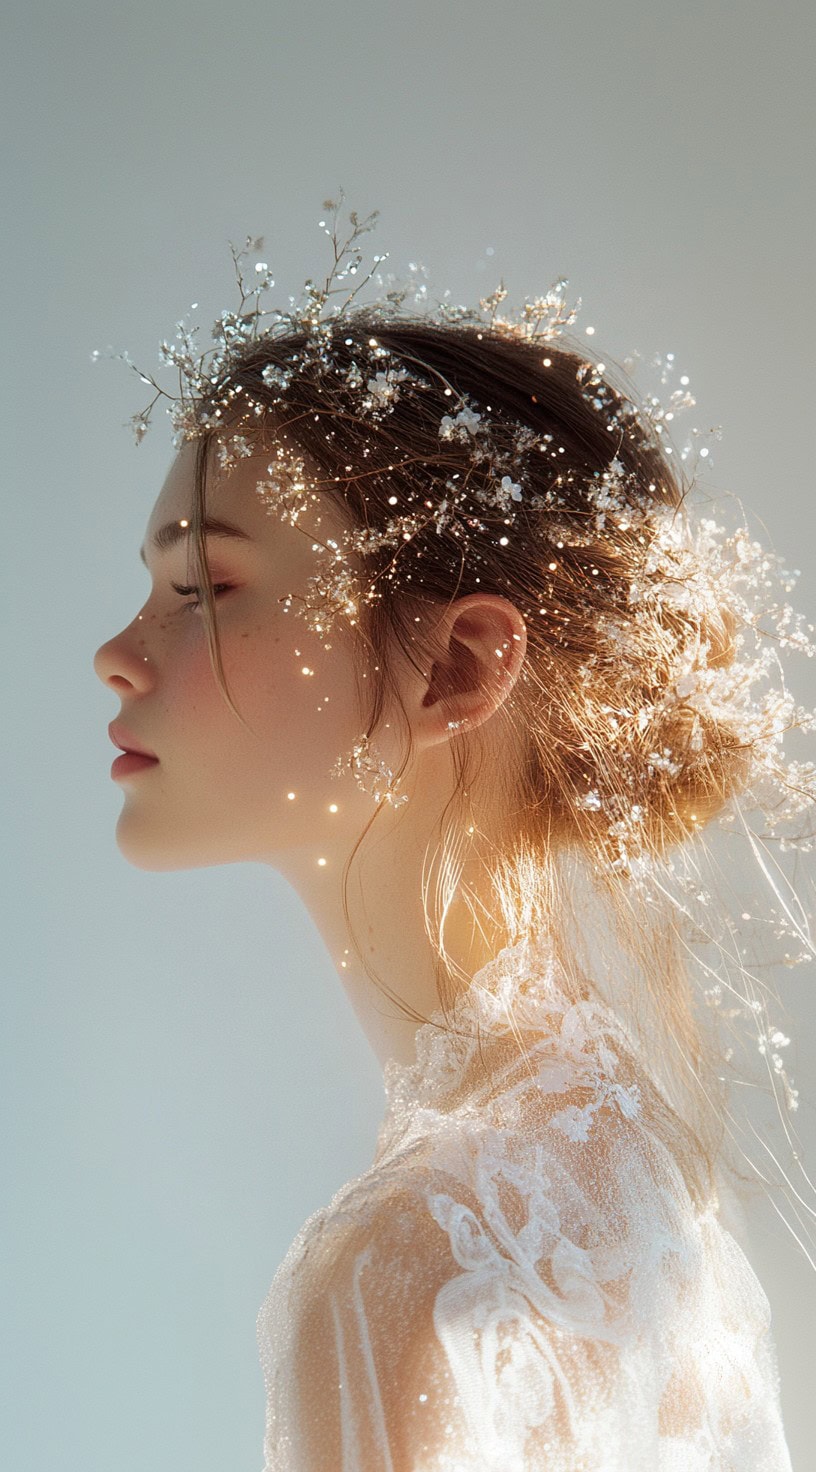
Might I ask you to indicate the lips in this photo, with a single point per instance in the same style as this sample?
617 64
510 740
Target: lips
123 739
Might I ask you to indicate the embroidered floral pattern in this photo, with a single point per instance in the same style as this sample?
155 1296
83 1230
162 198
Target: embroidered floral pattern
520 1280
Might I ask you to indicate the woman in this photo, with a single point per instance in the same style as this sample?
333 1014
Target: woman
454 572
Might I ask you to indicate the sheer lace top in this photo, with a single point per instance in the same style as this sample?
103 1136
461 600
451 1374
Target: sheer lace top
521 1279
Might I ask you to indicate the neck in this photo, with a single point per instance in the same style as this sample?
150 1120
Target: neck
384 896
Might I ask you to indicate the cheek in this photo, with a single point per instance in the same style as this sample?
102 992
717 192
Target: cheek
305 693
299 698
191 681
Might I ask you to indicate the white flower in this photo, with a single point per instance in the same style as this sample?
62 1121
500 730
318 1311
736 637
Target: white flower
591 800
382 388
464 424
276 377
511 487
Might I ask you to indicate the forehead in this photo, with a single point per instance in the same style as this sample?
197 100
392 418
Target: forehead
234 497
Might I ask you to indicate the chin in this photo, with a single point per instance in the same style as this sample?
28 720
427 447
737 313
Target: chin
149 851
154 860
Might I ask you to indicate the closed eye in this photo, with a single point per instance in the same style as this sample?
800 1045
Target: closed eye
186 592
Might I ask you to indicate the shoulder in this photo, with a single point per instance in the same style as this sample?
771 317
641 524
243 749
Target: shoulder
365 1380
495 1294
379 1246
441 1318
494 1225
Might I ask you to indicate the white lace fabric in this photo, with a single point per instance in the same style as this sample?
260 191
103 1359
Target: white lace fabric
520 1281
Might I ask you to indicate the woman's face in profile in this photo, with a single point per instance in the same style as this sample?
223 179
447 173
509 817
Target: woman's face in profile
219 794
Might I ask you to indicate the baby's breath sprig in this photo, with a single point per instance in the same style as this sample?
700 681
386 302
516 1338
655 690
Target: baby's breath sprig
200 373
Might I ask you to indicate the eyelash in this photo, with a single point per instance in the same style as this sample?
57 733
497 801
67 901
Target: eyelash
185 592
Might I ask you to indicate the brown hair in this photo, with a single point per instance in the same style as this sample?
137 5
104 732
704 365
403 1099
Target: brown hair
579 581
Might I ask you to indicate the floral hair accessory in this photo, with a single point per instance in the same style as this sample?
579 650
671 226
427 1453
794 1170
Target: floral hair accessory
201 372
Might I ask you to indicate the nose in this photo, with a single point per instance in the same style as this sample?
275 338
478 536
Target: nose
121 663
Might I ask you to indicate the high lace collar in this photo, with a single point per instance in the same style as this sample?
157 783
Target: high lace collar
521 990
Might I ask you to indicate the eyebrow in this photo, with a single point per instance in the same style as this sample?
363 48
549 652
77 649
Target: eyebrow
176 531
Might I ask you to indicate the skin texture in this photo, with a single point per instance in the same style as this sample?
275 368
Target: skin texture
220 794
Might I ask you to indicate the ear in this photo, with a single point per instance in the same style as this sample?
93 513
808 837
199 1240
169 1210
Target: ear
476 653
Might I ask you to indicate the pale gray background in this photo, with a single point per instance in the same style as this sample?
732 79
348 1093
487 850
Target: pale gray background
184 1080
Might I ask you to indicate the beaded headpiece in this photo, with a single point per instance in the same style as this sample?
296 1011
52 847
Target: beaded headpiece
688 565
